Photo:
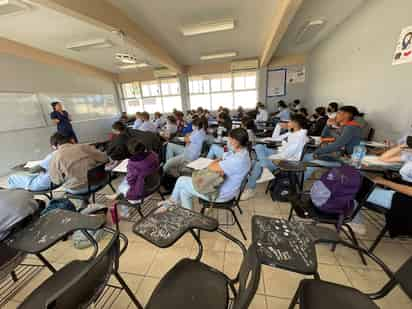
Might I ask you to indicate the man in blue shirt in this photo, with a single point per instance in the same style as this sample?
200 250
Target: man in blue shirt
63 121
178 156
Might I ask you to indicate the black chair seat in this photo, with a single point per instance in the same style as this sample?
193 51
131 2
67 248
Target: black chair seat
318 294
79 294
190 284
87 195
228 204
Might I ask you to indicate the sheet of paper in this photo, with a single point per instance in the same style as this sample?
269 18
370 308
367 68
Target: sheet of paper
266 176
200 163
31 164
374 160
122 167
376 144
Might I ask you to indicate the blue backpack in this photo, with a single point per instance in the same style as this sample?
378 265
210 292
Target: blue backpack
336 190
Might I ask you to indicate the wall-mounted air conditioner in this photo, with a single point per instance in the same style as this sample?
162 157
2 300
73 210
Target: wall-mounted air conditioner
163 73
310 30
251 64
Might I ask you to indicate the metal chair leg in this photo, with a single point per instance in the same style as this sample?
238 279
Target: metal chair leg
378 239
127 290
290 213
238 224
111 187
14 276
356 243
295 298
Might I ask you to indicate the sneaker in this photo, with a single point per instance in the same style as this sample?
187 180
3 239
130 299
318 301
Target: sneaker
358 228
247 194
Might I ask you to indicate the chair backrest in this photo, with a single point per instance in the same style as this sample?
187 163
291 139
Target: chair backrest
84 287
249 277
404 277
152 183
371 134
97 175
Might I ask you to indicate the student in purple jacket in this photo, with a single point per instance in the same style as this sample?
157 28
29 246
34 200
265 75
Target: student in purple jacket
141 168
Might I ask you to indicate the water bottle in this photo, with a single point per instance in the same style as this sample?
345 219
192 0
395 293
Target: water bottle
358 154
219 134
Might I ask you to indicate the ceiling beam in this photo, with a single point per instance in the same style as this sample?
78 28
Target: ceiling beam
104 15
284 15
24 51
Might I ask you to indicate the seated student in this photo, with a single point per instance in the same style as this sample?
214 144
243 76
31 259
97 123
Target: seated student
234 167
360 119
138 122
283 112
334 147
224 123
147 125
180 122
117 149
142 164
262 113
38 179
170 129
124 118
240 113
296 141
188 128
158 121
71 162
333 108
319 120
178 156
216 151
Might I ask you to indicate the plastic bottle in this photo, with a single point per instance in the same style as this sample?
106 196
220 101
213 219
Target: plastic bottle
358 154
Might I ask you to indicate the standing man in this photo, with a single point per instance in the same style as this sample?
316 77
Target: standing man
63 121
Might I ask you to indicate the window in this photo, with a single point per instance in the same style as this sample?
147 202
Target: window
155 96
227 90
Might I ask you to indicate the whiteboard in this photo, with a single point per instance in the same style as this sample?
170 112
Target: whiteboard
82 107
276 83
20 111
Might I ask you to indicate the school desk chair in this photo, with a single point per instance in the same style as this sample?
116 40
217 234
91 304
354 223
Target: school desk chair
319 294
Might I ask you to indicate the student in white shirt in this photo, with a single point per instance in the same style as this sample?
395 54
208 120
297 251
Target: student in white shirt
262 115
292 150
170 129
147 125
158 121
138 122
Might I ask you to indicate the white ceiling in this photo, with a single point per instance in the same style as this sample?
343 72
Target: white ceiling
333 11
162 19
52 31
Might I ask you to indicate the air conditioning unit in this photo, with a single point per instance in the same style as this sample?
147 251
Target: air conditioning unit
11 7
162 73
251 64
310 30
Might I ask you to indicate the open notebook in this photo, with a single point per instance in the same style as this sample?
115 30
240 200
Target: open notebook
122 167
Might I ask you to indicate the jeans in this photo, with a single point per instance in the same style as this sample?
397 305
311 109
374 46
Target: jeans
32 182
81 191
381 197
215 152
310 170
262 153
184 191
174 150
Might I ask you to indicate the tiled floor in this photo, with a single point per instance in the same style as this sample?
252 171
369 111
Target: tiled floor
144 264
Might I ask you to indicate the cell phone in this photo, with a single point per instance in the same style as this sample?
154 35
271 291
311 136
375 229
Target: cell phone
409 141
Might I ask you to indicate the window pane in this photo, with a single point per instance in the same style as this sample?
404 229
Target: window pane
200 100
133 106
227 83
222 99
245 80
152 105
170 103
131 90
198 85
251 81
151 88
170 86
216 85
246 99
239 82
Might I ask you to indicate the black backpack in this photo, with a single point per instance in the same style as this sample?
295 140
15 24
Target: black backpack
280 187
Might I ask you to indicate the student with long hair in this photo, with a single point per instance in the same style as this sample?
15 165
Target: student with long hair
62 119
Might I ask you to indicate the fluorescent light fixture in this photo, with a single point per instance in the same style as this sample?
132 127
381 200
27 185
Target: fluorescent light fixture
90 44
208 27
134 66
12 7
219 56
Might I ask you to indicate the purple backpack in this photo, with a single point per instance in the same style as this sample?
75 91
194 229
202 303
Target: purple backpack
336 190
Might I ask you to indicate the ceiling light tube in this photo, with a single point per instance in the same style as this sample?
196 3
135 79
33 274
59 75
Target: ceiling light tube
218 56
208 27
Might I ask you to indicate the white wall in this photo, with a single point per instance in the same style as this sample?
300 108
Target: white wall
23 75
354 66
293 91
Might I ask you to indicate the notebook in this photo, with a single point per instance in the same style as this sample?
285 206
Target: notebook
122 167
31 164
200 163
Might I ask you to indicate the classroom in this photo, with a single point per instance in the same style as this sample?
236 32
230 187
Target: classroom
205 154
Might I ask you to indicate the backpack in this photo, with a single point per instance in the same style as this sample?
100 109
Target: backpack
336 190
280 187
60 203
207 182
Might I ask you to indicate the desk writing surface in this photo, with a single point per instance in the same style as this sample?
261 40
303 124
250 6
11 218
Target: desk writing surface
165 228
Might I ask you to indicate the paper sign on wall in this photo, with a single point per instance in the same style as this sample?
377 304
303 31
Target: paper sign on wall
403 52
296 75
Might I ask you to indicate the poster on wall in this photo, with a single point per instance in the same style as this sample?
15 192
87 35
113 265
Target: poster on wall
276 83
296 75
403 52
